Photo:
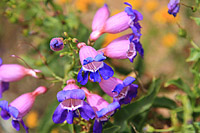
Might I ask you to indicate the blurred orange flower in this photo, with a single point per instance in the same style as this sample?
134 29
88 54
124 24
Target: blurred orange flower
32 119
151 5
169 39
136 4
162 16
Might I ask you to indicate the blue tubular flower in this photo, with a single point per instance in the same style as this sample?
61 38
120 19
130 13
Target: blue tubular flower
121 91
135 16
71 100
92 63
102 109
173 7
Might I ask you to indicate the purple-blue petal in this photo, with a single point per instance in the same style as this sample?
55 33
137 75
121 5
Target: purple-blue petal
126 3
97 127
106 71
79 76
70 117
139 48
25 127
95 76
127 81
111 107
130 12
16 125
5 115
3 87
70 94
132 93
82 79
13 111
139 16
88 60
59 115
1 61
86 111
85 78
118 88
4 105
99 58
173 7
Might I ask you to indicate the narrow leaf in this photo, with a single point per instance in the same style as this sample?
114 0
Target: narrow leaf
164 102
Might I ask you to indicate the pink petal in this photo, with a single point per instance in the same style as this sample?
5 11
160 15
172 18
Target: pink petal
100 18
117 23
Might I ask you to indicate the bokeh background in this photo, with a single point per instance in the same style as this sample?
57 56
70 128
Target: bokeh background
33 22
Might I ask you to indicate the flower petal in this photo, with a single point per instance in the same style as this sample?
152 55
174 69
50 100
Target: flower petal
117 23
59 115
70 94
99 57
88 60
25 127
70 117
111 107
106 71
127 81
1 61
16 124
97 127
100 17
118 88
5 115
86 111
95 76
13 111
3 87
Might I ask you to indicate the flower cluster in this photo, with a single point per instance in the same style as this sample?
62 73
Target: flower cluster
18 108
72 98
127 46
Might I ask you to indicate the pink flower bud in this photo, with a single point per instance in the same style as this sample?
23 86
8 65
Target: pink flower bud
15 72
71 84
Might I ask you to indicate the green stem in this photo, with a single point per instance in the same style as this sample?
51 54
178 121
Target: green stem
164 130
194 44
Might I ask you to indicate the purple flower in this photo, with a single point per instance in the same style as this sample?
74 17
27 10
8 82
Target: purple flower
121 91
173 7
13 72
92 62
125 47
117 23
20 107
72 104
56 44
102 108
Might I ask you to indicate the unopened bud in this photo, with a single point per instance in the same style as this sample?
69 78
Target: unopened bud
182 33
75 40
56 44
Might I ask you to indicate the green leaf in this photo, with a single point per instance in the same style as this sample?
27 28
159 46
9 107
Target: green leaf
197 20
180 84
138 106
164 102
194 55
111 129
